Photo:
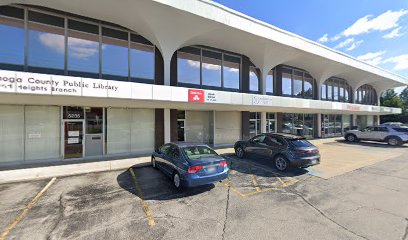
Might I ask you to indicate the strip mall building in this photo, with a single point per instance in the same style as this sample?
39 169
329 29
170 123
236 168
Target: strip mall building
102 78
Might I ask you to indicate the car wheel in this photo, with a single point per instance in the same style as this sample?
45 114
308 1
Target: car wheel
351 138
239 151
177 181
393 141
281 163
154 164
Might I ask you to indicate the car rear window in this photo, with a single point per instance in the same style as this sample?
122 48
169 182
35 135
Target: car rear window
401 129
298 142
196 152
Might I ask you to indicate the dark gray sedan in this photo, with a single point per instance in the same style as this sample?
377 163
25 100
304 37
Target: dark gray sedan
285 150
190 164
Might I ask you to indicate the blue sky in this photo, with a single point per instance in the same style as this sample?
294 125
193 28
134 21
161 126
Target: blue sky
375 31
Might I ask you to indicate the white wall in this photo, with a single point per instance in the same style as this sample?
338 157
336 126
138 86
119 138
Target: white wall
227 127
197 126
130 131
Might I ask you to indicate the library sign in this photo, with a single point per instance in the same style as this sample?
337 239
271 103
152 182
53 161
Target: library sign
33 83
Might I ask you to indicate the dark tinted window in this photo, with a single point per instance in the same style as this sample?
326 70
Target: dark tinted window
299 142
380 129
273 141
12 12
401 129
173 152
163 149
45 18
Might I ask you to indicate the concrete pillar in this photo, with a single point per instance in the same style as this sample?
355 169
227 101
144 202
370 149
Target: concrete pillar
319 125
167 125
263 122
354 120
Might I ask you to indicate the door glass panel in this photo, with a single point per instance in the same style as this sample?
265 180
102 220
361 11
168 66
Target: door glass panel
308 126
73 134
180 130
94 120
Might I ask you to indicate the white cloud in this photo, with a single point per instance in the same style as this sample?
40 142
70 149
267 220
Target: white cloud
373 58
335 38
355 45
78 48
208 66
366 24
370 55
345 43
401 62
394 33
53 41
324 38
83 49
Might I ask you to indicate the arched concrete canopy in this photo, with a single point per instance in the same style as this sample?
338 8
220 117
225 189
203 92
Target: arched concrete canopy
171 24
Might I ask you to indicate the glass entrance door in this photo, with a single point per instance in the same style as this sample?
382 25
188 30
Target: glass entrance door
73 135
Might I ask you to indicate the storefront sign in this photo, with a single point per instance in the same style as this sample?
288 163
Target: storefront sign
34 135
73 140
73 133
353 108
195 95
262 100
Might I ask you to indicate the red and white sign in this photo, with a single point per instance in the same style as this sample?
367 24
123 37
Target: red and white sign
196 95
353 108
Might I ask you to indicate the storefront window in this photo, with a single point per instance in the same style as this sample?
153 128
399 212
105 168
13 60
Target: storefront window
94 120
253 80
46 44
254 123
115 55
211 68
308 126
270 122
324 91
346 123
286 83
12 46
83 49
141 61
270 82
297 84
308 86
231 74
287 124
188 66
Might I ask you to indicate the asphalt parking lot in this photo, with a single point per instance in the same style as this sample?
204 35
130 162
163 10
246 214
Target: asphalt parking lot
256 202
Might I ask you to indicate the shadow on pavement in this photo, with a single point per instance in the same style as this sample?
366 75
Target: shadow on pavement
152 184
367 144
261 167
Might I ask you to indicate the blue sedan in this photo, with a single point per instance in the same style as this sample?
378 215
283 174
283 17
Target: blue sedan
189 164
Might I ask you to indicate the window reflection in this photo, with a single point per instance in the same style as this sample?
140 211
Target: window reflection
297 84
83 49
270 82
188 68
308 87
46 46
12 44
253 79
286 84
324 91
231 72
142 62
211 68
115 54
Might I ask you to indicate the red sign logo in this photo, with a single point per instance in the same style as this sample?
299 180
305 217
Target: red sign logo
195 95
353 108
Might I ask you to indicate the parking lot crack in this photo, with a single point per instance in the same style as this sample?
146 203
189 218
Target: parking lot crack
327 217
405 236
226 213
60 216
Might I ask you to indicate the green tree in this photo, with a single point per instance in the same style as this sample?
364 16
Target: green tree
394 101
390 93
404 97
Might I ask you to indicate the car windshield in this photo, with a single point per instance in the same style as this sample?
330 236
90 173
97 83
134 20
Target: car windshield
401 129
195 152
300 142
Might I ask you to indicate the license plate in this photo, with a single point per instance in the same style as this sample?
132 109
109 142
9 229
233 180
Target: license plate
211 169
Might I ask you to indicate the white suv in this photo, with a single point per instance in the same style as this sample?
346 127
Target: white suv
394 136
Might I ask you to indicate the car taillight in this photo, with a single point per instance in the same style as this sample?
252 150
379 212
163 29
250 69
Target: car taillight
194 169
223 164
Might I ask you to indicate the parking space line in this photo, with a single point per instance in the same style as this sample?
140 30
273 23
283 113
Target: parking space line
25 210
145 206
